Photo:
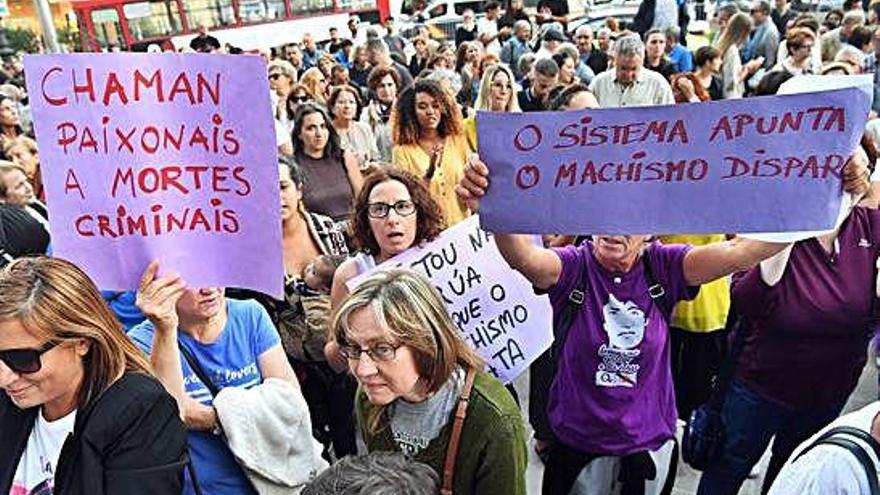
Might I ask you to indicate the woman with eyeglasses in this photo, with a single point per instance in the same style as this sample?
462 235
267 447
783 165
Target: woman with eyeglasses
430 142
317 83
393 213
497 94
298 95
416 375
355 136
80 411
331 172
799 43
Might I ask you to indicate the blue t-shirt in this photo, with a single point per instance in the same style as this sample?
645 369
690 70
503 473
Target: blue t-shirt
230 361
681 59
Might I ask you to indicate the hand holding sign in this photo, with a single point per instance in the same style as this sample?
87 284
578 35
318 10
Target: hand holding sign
157 297
474 183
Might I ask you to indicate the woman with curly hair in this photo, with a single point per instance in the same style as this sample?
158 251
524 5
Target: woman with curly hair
430 143
393 213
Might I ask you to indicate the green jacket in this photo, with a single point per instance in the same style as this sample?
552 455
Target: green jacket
492 453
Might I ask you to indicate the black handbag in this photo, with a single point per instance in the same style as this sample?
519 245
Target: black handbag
704 433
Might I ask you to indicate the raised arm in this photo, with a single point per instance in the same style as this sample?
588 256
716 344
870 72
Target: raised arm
157 299
539 265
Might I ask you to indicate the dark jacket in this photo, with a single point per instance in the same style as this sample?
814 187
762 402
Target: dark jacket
129 440
644 19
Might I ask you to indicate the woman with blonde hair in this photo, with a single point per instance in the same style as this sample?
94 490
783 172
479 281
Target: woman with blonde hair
417 376
734 73
497 94
72 383
430 143
317 84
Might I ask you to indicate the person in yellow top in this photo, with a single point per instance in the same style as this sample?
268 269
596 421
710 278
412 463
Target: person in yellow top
497 94
430 143
698 339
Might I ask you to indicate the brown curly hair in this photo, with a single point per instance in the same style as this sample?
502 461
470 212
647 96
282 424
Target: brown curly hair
429 219
404 124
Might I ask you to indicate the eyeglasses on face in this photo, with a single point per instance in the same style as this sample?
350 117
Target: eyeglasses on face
299 99
382 352
403 208
25 361
274 76
498 85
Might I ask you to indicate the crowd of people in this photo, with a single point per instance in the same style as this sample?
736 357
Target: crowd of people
334 389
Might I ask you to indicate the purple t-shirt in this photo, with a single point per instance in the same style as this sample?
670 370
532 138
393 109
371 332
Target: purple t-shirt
613 389
808 334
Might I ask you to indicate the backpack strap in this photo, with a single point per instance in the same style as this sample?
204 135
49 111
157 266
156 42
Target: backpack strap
455 438
573 304
655 288
836 436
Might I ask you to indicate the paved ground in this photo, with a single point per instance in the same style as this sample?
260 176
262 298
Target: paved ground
687 478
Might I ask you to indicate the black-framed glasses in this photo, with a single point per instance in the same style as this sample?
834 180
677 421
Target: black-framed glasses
382 352
25 361
403 208
274 76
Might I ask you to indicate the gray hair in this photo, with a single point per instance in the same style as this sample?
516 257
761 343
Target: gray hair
525 63
546 67
673 32
377 44
853 17
850 54
521 24
570 50
377 473
447 75
583 28
629 46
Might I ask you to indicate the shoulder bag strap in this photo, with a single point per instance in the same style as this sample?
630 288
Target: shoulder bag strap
197 369
855 432
457 425
856 450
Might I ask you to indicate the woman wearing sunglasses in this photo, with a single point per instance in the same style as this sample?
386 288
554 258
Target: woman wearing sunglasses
80 412
417 377
393 212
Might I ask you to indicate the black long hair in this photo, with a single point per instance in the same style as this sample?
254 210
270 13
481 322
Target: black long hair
333 148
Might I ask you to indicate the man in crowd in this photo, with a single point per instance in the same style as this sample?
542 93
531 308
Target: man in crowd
334 43
310 51
514 13
378 55
552 39
782 15
764 40
487 28
681 58
593 57
517 46
833 40
552 11
396 43
545 74
628 84
204 42
293 54
655 54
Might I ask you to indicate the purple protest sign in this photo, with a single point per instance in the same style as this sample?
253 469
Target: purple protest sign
160 156
768 164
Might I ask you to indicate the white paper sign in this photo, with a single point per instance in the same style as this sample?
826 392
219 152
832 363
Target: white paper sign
493 306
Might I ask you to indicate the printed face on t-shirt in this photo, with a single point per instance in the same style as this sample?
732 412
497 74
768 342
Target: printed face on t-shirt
624 322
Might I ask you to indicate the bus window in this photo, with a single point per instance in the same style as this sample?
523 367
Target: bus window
356 4
208 13
152 19
306 6
260 10
108 29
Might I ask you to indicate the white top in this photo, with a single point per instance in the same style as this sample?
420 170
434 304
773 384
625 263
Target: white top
665 14
485 26
36 468
649 88
828 469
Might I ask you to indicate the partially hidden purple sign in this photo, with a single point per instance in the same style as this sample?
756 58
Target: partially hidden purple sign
767 164
161 156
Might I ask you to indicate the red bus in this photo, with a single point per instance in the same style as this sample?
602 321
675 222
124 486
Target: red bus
247 24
